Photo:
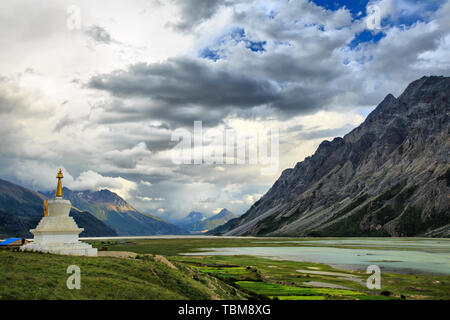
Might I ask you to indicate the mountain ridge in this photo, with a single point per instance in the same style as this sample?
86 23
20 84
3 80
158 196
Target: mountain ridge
383 178
196 222
21 209
118 214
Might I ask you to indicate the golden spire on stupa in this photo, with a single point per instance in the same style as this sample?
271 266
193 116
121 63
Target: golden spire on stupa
59 186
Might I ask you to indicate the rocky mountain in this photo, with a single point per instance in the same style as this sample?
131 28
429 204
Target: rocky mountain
192 222
197 222
21 209
390 176
219 219
115 212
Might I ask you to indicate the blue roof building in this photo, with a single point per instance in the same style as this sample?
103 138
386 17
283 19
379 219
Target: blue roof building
11 241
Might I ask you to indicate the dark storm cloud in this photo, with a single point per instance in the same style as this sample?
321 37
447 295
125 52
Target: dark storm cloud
99 34
182 90
123 112
300 99
194 12
64 122
309 69
325 133
160 145
187 81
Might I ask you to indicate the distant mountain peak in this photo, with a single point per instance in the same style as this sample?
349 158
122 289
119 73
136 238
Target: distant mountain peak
224 213
103 196
196 221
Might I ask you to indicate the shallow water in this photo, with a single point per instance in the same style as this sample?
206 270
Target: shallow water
405 255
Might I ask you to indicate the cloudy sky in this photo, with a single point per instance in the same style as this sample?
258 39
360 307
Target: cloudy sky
98 88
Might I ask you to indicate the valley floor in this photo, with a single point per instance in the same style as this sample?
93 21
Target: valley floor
160 269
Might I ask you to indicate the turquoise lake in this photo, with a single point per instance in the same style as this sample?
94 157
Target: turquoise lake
404 255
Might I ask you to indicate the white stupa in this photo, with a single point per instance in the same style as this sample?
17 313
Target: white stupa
57 232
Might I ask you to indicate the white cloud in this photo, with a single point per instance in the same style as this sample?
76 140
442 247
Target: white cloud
252 198
90 180
145 183
145 198
128 158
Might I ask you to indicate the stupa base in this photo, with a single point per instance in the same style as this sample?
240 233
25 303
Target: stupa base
73 249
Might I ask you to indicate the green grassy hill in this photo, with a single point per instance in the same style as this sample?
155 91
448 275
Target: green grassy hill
27 275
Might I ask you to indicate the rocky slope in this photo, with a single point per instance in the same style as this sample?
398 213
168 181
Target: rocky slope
118 214
388 177
21 209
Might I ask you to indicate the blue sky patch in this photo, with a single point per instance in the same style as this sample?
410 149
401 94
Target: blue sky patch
215 52
255 46
366 36
355 6
210 54
238 34
406 13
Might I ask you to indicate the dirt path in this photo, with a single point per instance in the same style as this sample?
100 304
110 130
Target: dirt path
117 254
